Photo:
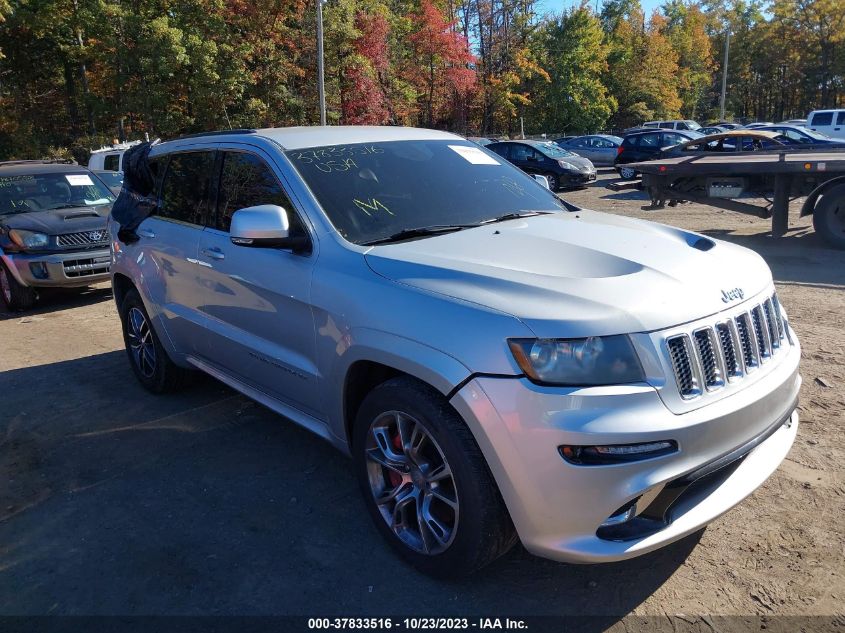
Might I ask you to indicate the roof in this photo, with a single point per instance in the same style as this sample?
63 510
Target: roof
290 138
321 136
528 141
652 130
744 133
117 147
36 167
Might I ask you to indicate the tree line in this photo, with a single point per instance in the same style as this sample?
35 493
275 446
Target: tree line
78 73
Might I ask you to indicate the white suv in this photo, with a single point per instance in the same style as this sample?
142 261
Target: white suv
677 124
498 363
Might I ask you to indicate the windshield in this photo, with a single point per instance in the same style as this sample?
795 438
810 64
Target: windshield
692 125
111 178
371 191
42 192
553 150
819 136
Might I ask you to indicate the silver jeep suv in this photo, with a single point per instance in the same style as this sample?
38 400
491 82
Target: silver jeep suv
499 364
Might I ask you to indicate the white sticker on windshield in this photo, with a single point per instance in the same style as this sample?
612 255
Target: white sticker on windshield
474 155
79 180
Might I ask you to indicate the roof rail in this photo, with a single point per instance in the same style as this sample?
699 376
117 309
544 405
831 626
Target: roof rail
218 133
37 161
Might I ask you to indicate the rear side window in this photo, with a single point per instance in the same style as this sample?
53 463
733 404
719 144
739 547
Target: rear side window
648 140
112 162
247 181
822 118
667 125
184 193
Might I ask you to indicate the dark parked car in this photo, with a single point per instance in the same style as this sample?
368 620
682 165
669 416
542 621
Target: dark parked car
113 179
647 145
731 141
52 229
561 167
801 135
480 140
600 149
712 129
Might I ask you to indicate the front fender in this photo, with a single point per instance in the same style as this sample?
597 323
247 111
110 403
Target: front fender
432 366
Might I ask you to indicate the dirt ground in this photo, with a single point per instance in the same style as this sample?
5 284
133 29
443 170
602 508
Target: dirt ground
113 501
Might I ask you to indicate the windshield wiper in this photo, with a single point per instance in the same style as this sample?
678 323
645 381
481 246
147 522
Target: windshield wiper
516 215
66 205
422 231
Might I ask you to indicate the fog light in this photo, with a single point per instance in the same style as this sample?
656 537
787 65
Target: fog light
38 270
616 453
622 515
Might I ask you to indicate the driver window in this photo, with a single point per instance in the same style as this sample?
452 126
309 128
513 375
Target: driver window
522 152
247 181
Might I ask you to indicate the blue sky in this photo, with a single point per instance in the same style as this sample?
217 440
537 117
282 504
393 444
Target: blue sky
559 5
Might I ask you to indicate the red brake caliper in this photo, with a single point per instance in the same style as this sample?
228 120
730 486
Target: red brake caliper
395 478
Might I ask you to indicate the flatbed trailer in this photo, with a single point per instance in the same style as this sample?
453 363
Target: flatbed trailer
722 180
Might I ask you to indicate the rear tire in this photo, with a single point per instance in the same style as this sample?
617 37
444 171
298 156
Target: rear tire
148 359
439 507
829 217
627 173
16 296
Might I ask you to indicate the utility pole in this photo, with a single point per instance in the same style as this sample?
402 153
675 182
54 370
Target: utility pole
321 81
724 76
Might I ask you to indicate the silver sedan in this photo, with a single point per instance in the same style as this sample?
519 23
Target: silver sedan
599 148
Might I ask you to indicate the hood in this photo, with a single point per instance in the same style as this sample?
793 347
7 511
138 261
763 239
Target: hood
59 221
581 273
583 164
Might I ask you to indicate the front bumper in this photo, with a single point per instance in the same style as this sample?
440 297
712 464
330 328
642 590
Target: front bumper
579 178
558 507
66 269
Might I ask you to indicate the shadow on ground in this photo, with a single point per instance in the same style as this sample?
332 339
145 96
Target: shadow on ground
799 257
121 502
56 299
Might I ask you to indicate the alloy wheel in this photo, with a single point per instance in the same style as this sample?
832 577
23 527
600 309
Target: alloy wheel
412 483
141 343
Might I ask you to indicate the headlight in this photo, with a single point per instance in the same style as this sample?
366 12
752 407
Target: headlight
28 239
567 165
596 360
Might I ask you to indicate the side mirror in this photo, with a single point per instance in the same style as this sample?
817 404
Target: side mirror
542 180
264 226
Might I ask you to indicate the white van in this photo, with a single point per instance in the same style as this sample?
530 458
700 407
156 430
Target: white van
830 122
673 125
109 158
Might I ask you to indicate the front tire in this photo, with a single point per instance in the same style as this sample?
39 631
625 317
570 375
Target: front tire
554 181
148 359
425 482
16 296
829 217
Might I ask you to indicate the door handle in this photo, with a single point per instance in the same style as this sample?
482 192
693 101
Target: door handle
213 253
145 233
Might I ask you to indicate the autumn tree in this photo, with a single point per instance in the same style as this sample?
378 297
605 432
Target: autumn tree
443 57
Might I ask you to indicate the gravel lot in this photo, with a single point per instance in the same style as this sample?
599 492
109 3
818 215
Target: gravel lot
113 501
